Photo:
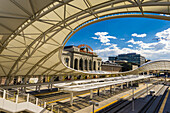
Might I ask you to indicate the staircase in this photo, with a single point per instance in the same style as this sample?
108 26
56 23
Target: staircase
11 101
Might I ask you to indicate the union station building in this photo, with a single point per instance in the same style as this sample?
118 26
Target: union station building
82 58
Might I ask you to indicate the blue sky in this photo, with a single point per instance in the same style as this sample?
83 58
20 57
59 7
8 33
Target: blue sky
126 35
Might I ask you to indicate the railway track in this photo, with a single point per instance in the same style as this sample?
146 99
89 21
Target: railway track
123 103
153 105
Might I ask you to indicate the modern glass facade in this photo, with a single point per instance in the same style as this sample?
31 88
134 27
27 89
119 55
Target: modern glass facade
132 57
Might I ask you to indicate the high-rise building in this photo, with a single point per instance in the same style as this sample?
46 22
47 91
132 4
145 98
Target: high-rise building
132 57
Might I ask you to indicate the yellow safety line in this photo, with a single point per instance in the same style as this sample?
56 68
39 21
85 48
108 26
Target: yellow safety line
117 100
164 102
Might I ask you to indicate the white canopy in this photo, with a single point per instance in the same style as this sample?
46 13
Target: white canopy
89 86
34 32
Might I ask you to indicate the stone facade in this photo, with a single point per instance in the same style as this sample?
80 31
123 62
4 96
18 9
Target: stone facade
81 58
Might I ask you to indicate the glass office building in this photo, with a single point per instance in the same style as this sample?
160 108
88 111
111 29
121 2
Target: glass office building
132 57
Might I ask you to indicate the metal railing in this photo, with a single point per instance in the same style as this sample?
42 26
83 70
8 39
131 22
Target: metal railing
19 97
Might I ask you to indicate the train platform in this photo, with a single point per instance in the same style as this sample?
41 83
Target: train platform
166 103
112 100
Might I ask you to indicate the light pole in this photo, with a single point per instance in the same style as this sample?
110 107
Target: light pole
147 89
94 104
133 101
166 78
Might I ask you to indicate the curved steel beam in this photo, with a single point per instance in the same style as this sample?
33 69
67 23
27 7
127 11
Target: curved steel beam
73 21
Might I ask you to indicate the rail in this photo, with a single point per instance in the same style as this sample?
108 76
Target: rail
122 103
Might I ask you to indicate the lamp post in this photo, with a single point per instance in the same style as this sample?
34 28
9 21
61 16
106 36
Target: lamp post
147 89
94 104
133 99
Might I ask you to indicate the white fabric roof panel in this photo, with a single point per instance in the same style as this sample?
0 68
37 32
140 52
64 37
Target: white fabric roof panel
83 87
39 29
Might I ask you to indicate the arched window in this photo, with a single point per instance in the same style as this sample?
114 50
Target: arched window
90 63
85 65
81 64
76 64
94 65
67 61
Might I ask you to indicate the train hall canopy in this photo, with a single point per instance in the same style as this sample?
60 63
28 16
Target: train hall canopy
33 33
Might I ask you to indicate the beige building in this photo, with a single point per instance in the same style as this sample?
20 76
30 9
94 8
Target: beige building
110 66
82 58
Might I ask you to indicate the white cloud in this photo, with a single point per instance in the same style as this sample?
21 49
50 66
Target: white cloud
142 44
94 37
163 34
122 39
139 35
130 45
153 51
104 37
108 43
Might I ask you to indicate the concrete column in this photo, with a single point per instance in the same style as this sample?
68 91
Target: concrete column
104 91
46 79
52 107
147 72
78 61
110 89
18 79
24 89
83 64
36 88
17 91
98 92
143 73
4 94
122 86
28 96
39 88
127 84
72 77
36 101
48 86
91 94
44 104
16 100
92 64
26 79
131 83
81 77
51 87
69 60
91 76
114 87
72 62
156 73
71 98
87 65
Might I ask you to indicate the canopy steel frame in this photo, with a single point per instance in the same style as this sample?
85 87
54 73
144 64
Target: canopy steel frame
91 11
